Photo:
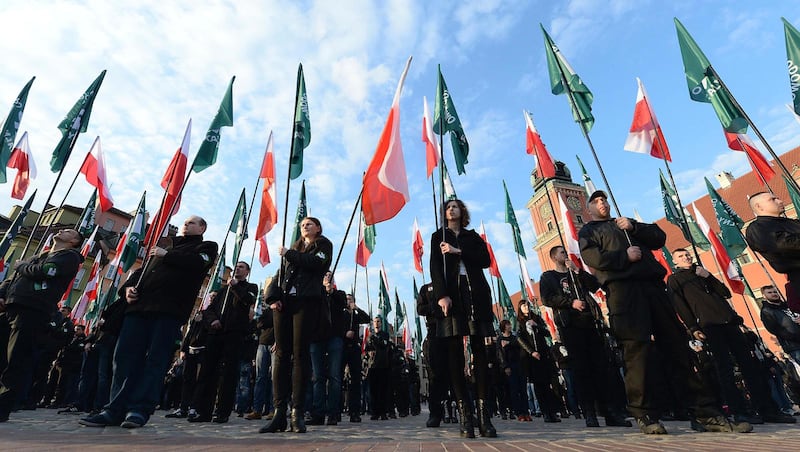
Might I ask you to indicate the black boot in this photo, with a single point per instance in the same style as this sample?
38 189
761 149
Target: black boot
436 414
485 426
297 421
278 422
465 420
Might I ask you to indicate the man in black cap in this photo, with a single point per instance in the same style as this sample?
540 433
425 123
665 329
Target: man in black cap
619 250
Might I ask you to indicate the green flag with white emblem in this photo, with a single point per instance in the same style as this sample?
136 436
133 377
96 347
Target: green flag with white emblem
8 133
207 154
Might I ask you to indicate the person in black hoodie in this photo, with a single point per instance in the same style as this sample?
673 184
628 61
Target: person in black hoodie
295 296
463 307
567 290
781 321
227 321
434 351
619 250
160 299
262 387
353 317
702 303
27 300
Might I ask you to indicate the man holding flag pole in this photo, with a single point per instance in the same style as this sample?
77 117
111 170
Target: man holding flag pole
158 305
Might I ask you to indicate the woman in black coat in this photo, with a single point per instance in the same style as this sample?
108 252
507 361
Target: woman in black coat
295 297
462 305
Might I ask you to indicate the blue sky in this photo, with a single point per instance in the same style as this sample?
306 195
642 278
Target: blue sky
171 61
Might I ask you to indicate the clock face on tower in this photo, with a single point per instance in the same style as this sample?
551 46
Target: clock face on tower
574 203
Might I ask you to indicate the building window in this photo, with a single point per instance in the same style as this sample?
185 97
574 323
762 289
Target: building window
109 225
549 225
744 259
579 219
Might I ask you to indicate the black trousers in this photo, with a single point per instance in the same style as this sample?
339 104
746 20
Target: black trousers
380 390
640 310
292 351
191 368
352 359
219 374
438 375
23 327
590 368
454 349
728 344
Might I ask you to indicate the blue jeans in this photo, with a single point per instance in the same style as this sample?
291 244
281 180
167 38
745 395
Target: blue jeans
243 392
262 390
141 360
105 360
326 371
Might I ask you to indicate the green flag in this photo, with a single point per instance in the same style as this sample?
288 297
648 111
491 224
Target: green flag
793 195
219 272
578 94
384 302
588 185
730 225
511 218
16 225
134 237
704 86
793 60
239 226
399 315
504 297
76 121
207 154
416 290
445 119
11 127
302 127
86 221
691 231
302 212
668 258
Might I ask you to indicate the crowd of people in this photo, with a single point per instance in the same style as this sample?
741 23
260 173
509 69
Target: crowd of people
669 347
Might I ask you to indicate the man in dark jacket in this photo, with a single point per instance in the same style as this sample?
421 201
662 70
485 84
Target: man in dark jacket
567 291
227 321
160 299
435 357
353 317
701 302
379 351
619 250
28 300
780 321
777 238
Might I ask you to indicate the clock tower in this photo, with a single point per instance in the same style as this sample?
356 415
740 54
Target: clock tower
541 210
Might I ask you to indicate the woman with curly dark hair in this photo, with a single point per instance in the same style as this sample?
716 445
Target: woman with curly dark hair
462 305
296 297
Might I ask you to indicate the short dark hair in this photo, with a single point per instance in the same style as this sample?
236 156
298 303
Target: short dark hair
679 249
245 264
461 206
554 250
503 324
768 286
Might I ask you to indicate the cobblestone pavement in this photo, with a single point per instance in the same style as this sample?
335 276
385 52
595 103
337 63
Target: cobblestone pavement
46 430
